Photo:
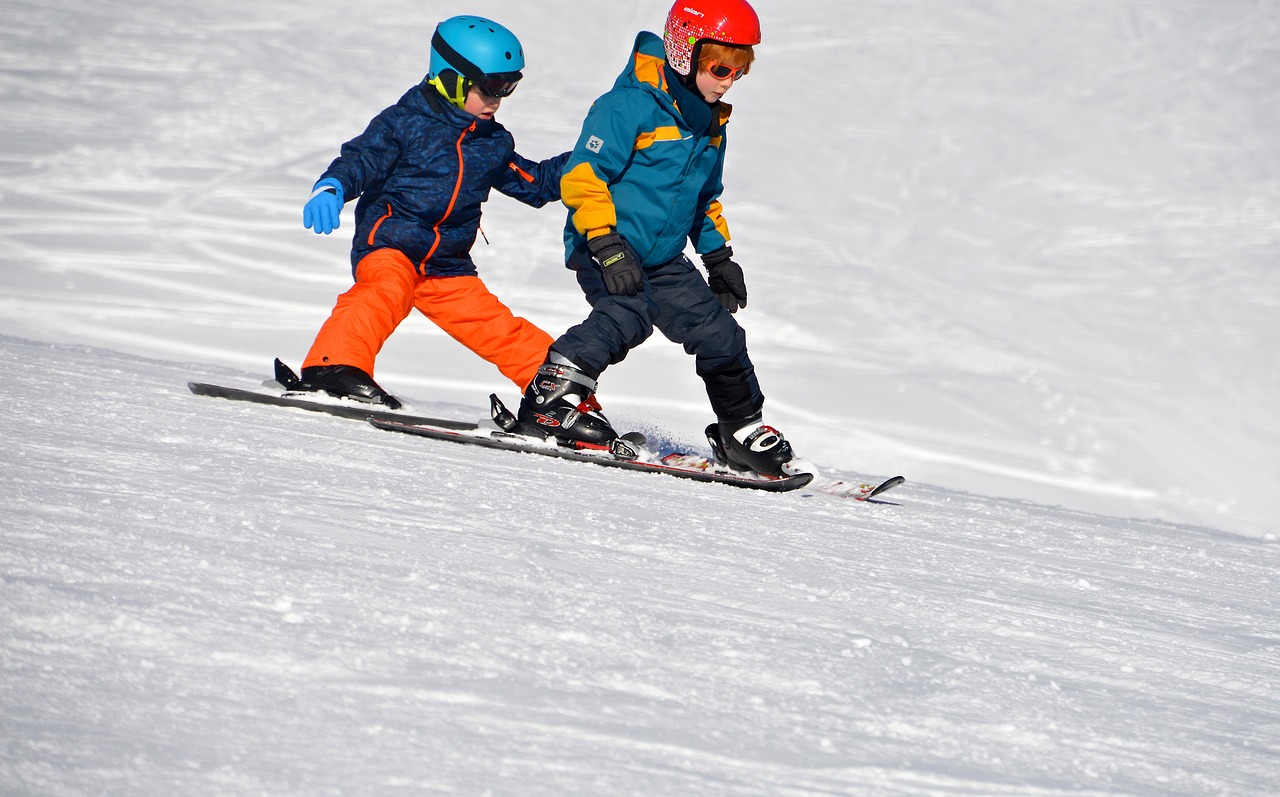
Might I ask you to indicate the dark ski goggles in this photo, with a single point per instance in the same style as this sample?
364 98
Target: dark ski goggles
498 85
722 71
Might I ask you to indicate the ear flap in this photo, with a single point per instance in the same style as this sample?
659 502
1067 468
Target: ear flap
452 86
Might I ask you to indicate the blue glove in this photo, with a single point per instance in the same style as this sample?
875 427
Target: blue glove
323 210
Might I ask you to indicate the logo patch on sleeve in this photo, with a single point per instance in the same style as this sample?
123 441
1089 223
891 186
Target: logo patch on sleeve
595 144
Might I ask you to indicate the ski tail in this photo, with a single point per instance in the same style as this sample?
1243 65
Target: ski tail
285 375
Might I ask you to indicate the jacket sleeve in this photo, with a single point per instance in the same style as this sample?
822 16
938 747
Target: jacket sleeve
533 183
368 157
602 153
710 231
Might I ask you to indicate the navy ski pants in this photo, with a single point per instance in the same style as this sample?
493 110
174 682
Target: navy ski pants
676 300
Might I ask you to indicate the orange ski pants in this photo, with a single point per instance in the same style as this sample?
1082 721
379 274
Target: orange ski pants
388 287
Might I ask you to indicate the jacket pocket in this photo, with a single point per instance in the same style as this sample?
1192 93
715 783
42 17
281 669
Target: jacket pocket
374 230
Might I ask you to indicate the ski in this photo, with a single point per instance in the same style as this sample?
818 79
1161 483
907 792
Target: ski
860 491
343 408
628 452
506 441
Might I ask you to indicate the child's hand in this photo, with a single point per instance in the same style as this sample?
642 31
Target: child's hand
617 263
323 211
725 278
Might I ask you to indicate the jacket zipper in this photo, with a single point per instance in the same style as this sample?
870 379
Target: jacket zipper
528 178
457 188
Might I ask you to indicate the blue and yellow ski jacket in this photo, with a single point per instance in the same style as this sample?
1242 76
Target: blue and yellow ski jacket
639 167
422 168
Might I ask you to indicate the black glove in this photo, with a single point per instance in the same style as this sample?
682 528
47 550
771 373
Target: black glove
725 278
618 264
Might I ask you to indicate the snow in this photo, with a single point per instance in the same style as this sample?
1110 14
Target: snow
1023 254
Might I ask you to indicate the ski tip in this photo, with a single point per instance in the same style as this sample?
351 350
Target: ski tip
883 487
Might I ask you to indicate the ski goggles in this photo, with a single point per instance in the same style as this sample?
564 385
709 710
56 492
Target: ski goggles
722 71
498 85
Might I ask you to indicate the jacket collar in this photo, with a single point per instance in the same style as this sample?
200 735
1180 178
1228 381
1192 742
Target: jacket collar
648 69
695 111
426 99
645 68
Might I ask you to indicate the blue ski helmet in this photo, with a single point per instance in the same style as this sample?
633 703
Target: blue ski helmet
468 51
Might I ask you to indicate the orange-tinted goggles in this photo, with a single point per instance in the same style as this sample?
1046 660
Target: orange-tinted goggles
722 71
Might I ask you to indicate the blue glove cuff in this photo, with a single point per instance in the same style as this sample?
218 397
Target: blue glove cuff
326 184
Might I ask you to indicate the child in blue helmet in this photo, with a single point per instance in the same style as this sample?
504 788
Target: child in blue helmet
421 170
643 182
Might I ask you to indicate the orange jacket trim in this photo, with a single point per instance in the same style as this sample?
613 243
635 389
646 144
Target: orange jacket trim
457 188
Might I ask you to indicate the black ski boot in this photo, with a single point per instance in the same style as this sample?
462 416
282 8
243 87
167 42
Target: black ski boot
750 445
560 402
345 381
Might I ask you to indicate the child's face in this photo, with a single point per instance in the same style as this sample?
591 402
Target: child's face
480 105
712 88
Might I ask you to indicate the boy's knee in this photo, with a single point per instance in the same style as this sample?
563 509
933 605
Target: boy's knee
631 315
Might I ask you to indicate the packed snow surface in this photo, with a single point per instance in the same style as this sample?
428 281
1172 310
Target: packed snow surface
1023 254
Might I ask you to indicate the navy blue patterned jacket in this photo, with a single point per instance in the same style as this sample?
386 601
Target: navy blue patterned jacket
422 168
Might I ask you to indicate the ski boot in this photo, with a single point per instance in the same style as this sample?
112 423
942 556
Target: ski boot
344 381
560 402
750 446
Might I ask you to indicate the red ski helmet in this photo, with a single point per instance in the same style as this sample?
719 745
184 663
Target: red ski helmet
691 21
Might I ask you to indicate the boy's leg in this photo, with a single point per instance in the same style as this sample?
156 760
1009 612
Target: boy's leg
465 309
692 316
615 326
366 315
561 401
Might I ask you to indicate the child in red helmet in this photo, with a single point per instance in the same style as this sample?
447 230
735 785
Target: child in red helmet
643 181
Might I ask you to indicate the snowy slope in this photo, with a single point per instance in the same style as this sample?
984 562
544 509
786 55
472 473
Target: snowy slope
1018 249
201 597
1023 253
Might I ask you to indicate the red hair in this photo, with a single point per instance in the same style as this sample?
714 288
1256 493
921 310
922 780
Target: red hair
728 54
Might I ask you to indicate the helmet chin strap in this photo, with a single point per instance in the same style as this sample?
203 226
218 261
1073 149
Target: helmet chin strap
690 81
460 85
